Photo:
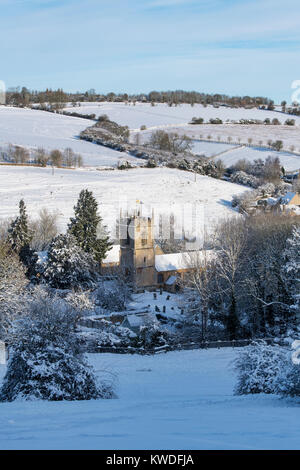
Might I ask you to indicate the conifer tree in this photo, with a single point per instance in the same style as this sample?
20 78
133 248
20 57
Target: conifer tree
68 266
86 225
19 235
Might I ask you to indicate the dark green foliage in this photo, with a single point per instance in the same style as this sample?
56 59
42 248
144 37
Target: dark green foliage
68 266
19 235
87 224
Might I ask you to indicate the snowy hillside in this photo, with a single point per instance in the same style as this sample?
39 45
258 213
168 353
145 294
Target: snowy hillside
166 190
178 400
33 129
162 114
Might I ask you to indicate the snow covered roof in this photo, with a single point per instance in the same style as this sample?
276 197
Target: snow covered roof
171 280
287 198
113 255
137 320
176 261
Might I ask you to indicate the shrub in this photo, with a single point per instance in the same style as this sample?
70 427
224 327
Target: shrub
257 367
240 177
46 362
113 297
288 379
290 122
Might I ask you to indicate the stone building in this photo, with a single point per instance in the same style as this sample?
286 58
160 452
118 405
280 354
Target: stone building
143 262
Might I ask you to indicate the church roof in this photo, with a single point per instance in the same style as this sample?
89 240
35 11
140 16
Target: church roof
176 261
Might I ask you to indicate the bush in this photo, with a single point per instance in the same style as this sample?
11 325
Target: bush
240 177
151 163
113 297
257 367
196 120
290 122
153 335
45 361
103 117
288 380
109 334
216 121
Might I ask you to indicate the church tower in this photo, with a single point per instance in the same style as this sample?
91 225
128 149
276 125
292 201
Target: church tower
137 260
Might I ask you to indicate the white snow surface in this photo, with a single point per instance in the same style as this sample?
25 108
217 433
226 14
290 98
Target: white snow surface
161 114
178 400
174 261
165 190
33 129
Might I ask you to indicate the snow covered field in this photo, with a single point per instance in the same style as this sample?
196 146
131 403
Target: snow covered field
162 114
33 129
166 190
288 160
178 400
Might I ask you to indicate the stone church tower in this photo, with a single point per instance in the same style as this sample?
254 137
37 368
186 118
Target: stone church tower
137 258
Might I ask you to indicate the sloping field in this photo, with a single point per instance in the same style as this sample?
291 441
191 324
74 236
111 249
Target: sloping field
162 114
33 129
165 190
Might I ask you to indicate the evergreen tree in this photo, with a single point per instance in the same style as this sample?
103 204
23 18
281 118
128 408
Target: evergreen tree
86 225
19 235
68 266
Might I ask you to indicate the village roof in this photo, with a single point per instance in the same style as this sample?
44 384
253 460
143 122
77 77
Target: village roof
287 198
136 320
171 280
185 260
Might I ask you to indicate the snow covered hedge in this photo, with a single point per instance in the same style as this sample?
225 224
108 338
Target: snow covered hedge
240 177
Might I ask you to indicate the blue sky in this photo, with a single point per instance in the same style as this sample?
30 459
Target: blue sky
227 46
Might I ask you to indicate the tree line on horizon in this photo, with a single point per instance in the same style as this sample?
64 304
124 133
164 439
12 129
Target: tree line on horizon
22 96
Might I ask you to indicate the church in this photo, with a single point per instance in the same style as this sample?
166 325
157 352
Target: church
143 262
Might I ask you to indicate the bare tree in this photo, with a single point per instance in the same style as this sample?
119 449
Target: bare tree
44 229
170 142
56 158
